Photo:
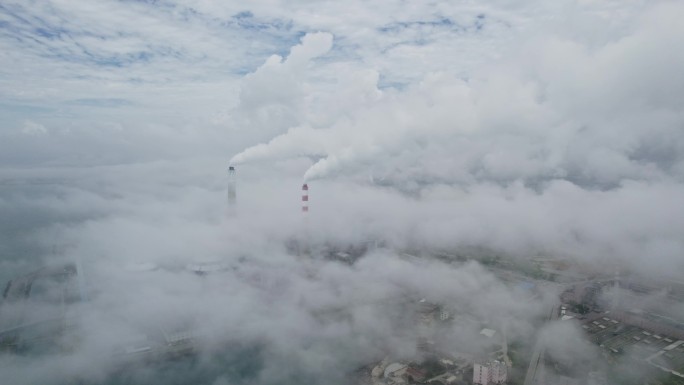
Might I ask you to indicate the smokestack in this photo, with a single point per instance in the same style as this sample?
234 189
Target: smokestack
232 197
303 243
616 289
305 198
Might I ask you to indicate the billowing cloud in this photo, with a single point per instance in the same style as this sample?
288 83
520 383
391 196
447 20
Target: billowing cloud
560 109
567 133
274 96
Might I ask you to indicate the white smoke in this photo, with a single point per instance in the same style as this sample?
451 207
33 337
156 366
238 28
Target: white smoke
273 98
562 108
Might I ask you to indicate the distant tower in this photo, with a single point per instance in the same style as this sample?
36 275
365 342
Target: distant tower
616 289
232 197
304 247
305 198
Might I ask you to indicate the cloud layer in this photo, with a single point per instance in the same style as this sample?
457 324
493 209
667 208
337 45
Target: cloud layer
511 128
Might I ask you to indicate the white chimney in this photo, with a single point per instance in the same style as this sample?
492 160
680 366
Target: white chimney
232 197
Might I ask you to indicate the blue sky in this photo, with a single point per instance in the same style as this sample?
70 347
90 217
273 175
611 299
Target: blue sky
158 79
70 65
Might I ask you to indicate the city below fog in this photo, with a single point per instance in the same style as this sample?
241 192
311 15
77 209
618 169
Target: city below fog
342 193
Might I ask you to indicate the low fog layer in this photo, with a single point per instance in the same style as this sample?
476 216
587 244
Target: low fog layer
299 317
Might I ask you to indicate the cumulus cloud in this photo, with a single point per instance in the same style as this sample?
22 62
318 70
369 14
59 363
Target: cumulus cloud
560 109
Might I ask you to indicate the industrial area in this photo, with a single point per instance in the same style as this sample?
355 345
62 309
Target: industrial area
41 312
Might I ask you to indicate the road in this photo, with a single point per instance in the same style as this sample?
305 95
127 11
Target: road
534 375
537 360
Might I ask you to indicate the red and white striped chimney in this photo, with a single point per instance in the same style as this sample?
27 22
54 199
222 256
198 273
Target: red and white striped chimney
305 198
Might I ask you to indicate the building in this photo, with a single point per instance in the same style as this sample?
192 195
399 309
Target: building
414 374
444 314
492 372
395 373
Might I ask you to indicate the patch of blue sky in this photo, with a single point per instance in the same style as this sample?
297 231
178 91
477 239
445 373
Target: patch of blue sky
403 25
42 47
156 3
272 36
389 47
246 20
50 33
12 32
284 43
21 20
25 28
41 38
56 38
14 12
243 70
343 49
43 23
243 15
262 36
445 23
480 21
84 56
